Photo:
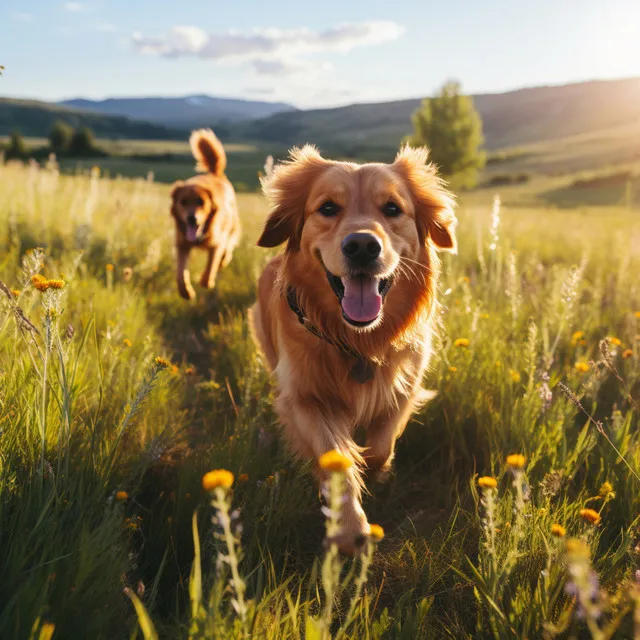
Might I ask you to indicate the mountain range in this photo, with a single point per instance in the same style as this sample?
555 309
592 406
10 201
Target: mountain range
510 119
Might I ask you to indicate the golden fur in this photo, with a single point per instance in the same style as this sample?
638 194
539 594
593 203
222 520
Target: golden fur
205 212
318 402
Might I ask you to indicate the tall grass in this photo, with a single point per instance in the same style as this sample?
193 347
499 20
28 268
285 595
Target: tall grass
102 446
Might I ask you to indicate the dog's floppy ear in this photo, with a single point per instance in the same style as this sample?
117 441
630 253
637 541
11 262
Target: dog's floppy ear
287 188
434 203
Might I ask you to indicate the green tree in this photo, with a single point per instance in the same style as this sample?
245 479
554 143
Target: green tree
60 137
17 148
82 142
451 128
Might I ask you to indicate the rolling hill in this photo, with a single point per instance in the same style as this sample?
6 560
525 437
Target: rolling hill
509 119
34 118
186 112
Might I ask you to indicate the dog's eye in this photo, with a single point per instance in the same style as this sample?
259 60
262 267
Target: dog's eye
391 209
198 202
329 208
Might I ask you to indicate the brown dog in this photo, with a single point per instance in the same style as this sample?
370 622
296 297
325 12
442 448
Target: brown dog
205 211
344 317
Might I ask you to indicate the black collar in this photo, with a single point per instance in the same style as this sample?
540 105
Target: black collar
362 371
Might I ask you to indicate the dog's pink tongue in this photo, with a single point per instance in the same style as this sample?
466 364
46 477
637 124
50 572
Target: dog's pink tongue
361 301
192 233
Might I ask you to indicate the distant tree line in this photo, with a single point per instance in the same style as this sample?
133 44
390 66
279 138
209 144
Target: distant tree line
64 141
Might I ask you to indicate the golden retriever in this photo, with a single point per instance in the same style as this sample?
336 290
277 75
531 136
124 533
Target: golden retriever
205 212
344 316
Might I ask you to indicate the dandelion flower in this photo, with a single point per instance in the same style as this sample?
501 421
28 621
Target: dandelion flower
56 284
376 531
582 366
217 478
453 369
515 376
16 293
616 342
487 482
590 515
334 461
161 363
627 353
243 477
189 371
121 496
174 369
516 461
109 268
558 531
127 343
461 342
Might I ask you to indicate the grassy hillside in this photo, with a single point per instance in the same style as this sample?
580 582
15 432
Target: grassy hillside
102 447
33 118
509 119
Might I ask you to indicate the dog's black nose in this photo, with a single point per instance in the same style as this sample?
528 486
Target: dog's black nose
361 248
191 219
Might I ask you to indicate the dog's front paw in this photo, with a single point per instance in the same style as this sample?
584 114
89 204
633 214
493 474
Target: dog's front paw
186 291
207 282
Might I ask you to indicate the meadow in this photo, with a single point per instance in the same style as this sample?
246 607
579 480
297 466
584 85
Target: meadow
116 397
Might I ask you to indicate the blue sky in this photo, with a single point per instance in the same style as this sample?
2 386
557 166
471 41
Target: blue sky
311 54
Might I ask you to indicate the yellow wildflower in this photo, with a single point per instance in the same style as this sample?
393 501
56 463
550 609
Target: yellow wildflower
516 461
590 515
453 369
376 531
576 337
582 366
606 490
515 376
161 363
627 353
541 511
189 371
334 461
461 342
174 369
121 496
616 342
637 314
39 282
109 268
487 482
56 284
558 531
16 293
243 477
217 478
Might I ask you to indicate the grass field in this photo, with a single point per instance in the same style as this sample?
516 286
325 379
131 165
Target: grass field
102 448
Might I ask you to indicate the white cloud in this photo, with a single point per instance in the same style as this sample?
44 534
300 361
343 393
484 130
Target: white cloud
270 51
74 7
277 67
23 17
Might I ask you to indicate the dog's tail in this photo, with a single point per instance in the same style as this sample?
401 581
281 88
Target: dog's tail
208 152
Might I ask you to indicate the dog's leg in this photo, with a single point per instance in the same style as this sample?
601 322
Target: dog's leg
228 256
183 277
382 434
208 277
310 434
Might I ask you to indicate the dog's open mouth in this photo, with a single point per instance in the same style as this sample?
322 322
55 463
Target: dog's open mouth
193 232
361 296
